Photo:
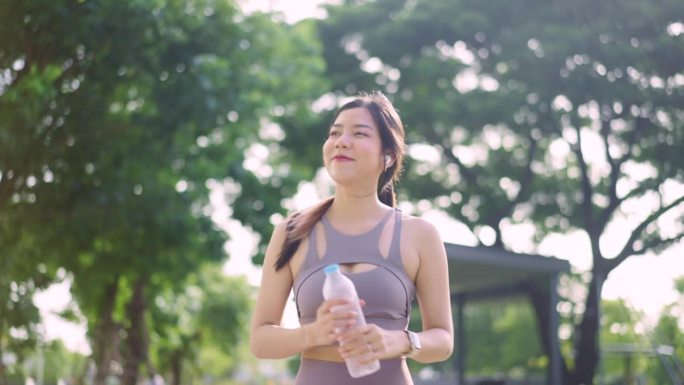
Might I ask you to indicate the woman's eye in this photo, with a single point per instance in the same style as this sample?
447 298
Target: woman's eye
361 134
333 133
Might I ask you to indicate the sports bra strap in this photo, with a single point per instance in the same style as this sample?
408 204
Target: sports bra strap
395 246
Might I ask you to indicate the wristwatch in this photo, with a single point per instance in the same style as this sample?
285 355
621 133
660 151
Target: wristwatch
415 343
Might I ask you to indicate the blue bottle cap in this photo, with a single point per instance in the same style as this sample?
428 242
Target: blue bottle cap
331 269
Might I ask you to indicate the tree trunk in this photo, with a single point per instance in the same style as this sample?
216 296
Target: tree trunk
105 335
539 297
136 352
151 370
5 191
587 343
176 367
3 370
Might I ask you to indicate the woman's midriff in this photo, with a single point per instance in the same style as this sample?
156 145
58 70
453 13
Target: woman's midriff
323 353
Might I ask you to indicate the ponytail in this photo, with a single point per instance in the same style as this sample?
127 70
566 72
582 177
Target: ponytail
297 228
386 188
386 182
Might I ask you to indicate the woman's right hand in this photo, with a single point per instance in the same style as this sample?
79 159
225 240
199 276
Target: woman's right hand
331 315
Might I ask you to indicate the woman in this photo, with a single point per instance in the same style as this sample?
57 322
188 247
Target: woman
389 256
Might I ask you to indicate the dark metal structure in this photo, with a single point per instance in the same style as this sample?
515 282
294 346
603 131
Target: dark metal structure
477 273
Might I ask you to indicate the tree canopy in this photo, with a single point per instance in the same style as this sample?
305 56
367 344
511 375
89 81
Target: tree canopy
558 116
118 118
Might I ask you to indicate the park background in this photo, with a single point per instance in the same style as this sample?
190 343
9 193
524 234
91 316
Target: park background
147 148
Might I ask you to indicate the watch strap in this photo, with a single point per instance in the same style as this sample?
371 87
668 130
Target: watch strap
414 341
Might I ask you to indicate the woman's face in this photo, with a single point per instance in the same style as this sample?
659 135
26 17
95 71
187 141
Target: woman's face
352 153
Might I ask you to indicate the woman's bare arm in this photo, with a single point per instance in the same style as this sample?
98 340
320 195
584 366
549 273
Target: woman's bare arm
432 288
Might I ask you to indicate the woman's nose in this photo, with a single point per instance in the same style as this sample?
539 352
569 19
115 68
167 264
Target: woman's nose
342 141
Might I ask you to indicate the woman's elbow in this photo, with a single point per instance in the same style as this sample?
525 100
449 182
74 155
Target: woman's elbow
259 352
442 351
448 351
448 345
256 348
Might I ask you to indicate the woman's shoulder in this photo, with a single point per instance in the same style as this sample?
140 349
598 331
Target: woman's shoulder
418 226
421 238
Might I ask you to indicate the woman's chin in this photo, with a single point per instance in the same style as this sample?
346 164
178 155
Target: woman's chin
351 183
344 180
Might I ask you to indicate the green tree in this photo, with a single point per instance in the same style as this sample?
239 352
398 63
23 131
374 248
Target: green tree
117 118
534 113
19 317
53 362
622 345
197 332
668 336
502 340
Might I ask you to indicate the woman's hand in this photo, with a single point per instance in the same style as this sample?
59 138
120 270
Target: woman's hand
332 315
368 343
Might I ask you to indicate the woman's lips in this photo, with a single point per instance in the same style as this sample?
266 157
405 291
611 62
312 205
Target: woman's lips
342 158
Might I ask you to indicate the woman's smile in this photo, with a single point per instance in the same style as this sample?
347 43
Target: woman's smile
342 158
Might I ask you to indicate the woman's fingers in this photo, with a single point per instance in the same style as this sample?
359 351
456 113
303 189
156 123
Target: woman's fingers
327 306
354 339
365 343
343 316
332 317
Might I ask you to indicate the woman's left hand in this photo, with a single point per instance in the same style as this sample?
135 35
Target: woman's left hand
367 343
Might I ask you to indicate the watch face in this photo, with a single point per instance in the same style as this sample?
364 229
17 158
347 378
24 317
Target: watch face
415 341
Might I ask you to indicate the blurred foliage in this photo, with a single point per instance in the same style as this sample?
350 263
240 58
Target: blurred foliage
56 363
668 334
197 332
503 340
490 87
118 120
558 116
619 337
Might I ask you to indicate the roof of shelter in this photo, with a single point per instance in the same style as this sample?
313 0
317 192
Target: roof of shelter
481 269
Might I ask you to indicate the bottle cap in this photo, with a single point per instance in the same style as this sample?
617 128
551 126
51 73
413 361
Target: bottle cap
331 269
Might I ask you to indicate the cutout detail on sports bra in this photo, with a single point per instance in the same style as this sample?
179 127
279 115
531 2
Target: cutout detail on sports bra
357 268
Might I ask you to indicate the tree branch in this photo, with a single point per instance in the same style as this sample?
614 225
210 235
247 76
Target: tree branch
645 186
615 166
657 244
525 185
464 170
639 127
629 249
526 179
587 189
613 200
470 177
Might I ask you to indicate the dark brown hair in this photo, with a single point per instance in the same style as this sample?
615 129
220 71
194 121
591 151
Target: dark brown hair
392 138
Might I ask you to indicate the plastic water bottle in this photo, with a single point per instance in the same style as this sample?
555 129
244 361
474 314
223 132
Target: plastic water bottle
337 286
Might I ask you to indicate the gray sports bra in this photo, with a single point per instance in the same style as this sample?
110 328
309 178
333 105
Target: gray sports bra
387 289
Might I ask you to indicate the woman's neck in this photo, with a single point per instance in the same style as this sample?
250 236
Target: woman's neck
356 205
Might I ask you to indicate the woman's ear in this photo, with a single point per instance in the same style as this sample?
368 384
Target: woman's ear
388 161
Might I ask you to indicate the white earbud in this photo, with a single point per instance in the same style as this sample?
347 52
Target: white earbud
388 160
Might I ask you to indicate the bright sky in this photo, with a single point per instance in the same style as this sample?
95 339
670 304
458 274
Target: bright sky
292 10
646 282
